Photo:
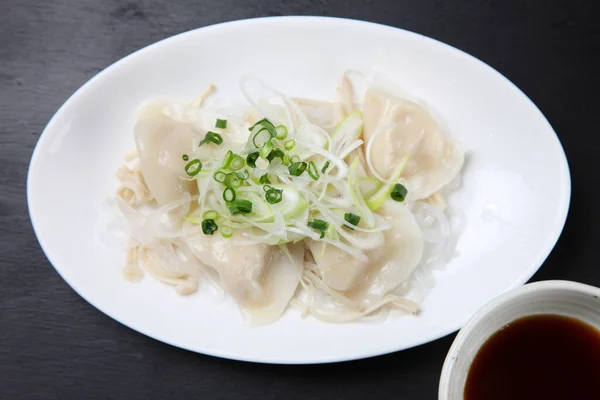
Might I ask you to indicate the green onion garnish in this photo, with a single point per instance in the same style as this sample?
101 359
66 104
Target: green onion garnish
226 231
266 149
281 132
251 159
236 163
209 226
294 159
240 206
325 166
233 161
260 138
228 157
221 123
193 167
229 194
319 225
398 192
276 153
266 188
274 196
290 144
211 137
233 180
286 160
210 214
264 179
312 171
185 157
297 168
265 124
352 219
220 176
244 174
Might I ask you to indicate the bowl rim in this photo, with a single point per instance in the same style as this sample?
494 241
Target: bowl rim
493 306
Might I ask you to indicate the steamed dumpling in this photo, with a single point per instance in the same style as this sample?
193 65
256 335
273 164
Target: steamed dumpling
279 285
390 262
340 270
401 253
434 158
160 143
260 277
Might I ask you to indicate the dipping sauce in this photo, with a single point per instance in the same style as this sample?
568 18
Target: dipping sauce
539 357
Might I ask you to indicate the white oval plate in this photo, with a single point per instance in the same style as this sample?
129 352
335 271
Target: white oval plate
516 187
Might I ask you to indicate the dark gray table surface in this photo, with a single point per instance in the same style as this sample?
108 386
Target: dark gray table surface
55 345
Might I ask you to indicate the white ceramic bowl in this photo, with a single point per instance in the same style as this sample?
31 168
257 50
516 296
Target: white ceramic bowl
514 161
550 297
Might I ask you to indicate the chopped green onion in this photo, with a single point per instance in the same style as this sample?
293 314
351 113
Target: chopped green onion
261 138
264 179
233 180
209 226
286 160
240 206
193 167
276 153
185 157
236 163
211 137
312 171
251 159
228 157
266 149
226 231
266 188
290 144
352 219
398 192
266 124
282 132
220 176
233 161
325 166
319 225
229 194
274 196
297 168
210 214
221 123
294 159
244 174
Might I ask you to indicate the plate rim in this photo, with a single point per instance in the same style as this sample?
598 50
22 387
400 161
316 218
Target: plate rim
543 253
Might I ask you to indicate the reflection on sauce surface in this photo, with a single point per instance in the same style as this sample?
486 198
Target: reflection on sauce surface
538 357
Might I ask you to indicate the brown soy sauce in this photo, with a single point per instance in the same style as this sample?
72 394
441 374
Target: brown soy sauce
542 357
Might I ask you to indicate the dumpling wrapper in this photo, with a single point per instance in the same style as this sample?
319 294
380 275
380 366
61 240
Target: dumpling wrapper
435 159
160 143
402 253
261 278
340 270
390 263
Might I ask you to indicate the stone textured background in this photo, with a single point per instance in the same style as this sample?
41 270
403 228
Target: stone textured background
55 345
